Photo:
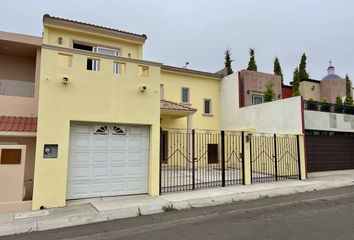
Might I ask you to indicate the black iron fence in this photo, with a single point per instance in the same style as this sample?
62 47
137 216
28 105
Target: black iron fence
328 107
202 158
274 157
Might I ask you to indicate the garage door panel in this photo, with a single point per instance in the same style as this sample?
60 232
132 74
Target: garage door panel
107 165
119 141
99 187
100 172
80 188
118 171
80 157
326 153
81 129
134 184
100 157
117 157
80 172
80 142
100 141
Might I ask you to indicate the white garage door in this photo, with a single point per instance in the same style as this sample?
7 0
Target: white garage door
107 160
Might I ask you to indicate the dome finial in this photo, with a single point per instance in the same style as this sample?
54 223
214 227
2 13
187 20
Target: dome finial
330 69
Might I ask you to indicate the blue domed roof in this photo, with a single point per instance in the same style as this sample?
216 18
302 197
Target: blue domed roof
331 76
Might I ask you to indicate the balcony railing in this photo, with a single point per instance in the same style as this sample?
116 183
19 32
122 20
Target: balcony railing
328 107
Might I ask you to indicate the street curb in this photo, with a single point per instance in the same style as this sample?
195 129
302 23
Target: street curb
159 206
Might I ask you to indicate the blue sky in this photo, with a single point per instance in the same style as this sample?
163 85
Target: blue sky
199 31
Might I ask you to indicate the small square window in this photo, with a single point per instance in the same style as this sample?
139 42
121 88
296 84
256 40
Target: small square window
93 64
257 99
207 106
185 95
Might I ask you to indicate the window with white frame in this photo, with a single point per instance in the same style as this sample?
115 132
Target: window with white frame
118 68
207 106
162 91
106 51
93 64
185 95
96 49
257 99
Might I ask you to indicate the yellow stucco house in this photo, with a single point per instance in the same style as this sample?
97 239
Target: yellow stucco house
100 100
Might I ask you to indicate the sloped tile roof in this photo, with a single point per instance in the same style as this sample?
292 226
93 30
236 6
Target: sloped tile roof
18 124
169 105
47 16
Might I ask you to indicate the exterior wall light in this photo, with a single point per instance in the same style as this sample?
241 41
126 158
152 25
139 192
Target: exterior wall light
248 91
60 40
313 88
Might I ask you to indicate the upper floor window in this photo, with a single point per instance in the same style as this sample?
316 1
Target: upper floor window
96 49
185 95
118 68
257 99
106 51
207 106
83 47
162 91
93 64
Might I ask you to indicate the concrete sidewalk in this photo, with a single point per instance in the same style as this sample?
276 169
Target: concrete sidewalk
102 209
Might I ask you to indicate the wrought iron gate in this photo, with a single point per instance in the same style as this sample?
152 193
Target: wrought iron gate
200 158
274 157
203 158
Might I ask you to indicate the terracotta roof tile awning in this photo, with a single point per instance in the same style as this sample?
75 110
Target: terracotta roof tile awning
18 124
169 106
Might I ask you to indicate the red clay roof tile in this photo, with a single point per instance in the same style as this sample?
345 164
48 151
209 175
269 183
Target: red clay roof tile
18 124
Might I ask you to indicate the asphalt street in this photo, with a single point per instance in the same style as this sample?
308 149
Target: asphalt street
321 215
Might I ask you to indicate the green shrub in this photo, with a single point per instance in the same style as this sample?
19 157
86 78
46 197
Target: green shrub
338 108
324 105
311 104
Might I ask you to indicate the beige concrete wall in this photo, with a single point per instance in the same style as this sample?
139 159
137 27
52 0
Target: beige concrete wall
255 82
283 116
17 68
332 88
325 121
310 90
30 143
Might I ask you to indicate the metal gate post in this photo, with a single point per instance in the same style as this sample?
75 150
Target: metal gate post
223 158
275 157
298 155
251 159
243 158
193 159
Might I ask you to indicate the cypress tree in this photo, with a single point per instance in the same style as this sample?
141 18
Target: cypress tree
296 82
303 74
348 93
252 63
277 69
228 61
269 94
